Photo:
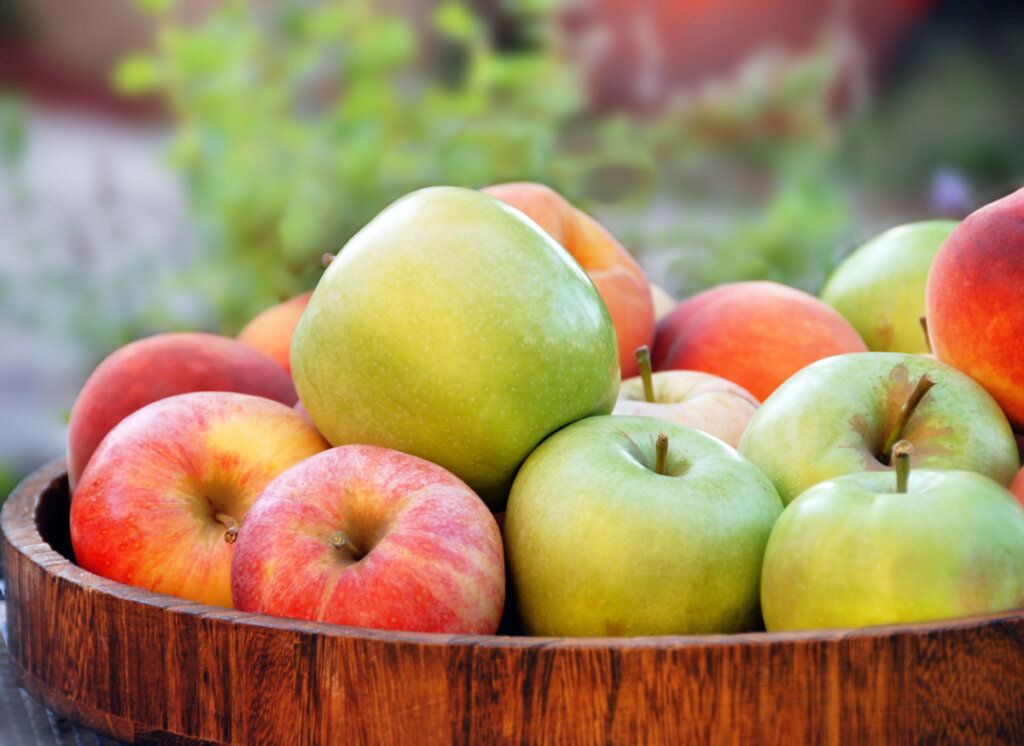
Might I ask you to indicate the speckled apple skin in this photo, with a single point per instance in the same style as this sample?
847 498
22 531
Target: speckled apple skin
453 328
755 333
159 366
430 553
271 330
144 511
618 276
973 301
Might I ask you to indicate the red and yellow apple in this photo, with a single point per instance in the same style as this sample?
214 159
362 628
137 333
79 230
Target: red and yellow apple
620 280
754 333
271 330
161 500
159 366
973 301
372 537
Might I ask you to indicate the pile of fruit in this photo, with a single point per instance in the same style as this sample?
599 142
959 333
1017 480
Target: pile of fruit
460 425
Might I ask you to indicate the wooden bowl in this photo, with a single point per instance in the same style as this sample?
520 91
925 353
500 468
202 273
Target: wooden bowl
144 667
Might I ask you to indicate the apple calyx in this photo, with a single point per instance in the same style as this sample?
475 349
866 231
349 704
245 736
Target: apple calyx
901 453
661 452
340 540
924 383
643 359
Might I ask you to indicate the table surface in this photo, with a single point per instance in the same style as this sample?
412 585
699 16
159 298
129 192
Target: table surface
24 721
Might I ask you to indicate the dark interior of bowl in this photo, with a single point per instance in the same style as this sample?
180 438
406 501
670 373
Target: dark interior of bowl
52 517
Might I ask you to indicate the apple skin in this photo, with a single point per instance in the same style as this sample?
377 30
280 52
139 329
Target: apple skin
879 288
271 330
452 328
833 417
619 278
973 301
159 366
755 333
853 552
663 302
708 403
1017 486
145 511
600 544
429 556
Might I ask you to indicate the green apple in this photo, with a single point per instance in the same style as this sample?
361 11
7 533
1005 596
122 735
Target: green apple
879 287
604 538
842 414
451 327
861 550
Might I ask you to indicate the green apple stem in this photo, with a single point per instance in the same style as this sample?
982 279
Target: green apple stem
232 526
924 383
661 452
923 320
340 540
901 453
643 358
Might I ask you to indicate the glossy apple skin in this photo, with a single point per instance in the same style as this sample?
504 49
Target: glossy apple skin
755 333
271 330
973 301
145 510
708 403
159 366
432 558
852 552
600 544
879 288
833 417
619 278
454 329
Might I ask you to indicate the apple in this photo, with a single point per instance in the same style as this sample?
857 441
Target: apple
841 415
973 301
271 330
159 366
619 278
371 537
452 328
663 301
879 288
866 549
754 333
1017 486
161 500
608 533
708 403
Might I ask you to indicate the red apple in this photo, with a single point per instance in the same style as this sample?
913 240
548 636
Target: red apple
368 536
1017 486
973 301
754 333
270 331
620 280
160 366
164 494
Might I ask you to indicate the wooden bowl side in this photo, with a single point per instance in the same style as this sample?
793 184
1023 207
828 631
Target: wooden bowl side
147 668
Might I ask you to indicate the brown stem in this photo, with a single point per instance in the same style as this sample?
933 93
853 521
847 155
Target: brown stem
901 453
643 359
661 452
231 534
924 383
326 259
340 540
923 320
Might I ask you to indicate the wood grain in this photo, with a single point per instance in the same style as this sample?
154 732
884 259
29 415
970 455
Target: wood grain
147 668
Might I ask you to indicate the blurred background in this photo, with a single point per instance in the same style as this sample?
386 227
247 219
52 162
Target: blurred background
182 165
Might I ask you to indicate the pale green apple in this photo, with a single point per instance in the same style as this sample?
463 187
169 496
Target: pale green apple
879 287
853 551
453 328
600 543
836 415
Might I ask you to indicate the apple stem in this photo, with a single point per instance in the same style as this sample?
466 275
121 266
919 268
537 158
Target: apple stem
661 451
901 453
924 383
326 259
232 531
340 540
643 358
923 320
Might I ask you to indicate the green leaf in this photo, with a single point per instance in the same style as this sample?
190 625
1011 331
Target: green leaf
138 74
456 21
155 6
